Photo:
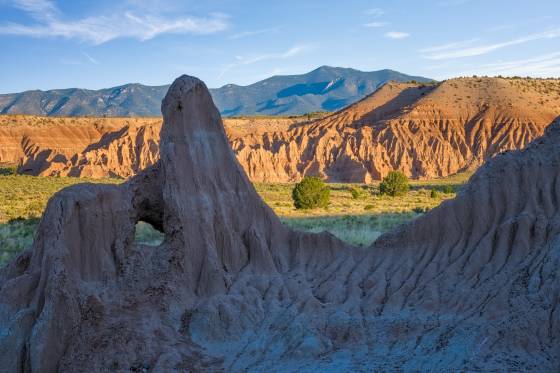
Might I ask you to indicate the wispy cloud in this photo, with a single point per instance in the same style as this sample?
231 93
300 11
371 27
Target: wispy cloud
245 34
546 65
90 58
445 47
456 50
252 59
375 12
532 21
101 29
375 24
292 52
38 9
396 35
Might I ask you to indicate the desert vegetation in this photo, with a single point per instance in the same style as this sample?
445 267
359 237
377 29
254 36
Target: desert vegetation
25 197
394 184
311 193
356 213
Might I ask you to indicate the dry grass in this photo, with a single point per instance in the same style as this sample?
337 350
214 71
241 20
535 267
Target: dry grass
25 197
361 220
278 196
359 230
16 236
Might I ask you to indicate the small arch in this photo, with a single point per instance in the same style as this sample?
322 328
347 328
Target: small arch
146 234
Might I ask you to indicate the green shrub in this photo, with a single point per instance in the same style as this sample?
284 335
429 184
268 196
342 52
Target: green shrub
369 207
8 170
357 193
434 193
394 184
311 193
447 189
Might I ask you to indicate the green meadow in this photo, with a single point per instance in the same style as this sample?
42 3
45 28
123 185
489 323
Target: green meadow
357 213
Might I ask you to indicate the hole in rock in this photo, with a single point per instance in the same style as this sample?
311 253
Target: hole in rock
145 233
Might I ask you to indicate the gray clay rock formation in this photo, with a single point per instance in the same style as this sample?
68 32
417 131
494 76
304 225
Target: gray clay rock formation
473 285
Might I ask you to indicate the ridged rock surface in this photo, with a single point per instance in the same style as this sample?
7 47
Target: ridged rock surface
97 147
473 285
425 131
86 147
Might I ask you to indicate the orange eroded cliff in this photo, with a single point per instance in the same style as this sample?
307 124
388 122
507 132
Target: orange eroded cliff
424 130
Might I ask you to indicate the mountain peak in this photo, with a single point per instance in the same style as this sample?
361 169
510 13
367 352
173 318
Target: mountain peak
326 88
327 68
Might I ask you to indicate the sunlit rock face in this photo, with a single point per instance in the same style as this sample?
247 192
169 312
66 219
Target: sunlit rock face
471 285
422 130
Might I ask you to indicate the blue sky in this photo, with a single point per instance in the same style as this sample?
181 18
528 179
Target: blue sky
50 44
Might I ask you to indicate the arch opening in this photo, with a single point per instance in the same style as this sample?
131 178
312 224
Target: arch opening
146 234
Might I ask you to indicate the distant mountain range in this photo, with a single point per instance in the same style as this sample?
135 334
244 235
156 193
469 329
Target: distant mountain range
323 89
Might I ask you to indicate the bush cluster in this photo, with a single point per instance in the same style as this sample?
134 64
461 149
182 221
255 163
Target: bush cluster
394 184
447 189
8 170
358 193
311 193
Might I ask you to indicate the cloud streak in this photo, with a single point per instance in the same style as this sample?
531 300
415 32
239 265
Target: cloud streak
249 60
375 12
397 35
292 52
446 47
90 58
246 34
101 29
38 9
375 24
456 50
546 65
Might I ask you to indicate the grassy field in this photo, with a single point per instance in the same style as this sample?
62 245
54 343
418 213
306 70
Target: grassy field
25 197
357 213
362 216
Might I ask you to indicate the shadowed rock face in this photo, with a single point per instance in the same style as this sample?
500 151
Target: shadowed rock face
472 285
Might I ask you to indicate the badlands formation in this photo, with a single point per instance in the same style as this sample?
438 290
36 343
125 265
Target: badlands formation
473 285
424 130
97 147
